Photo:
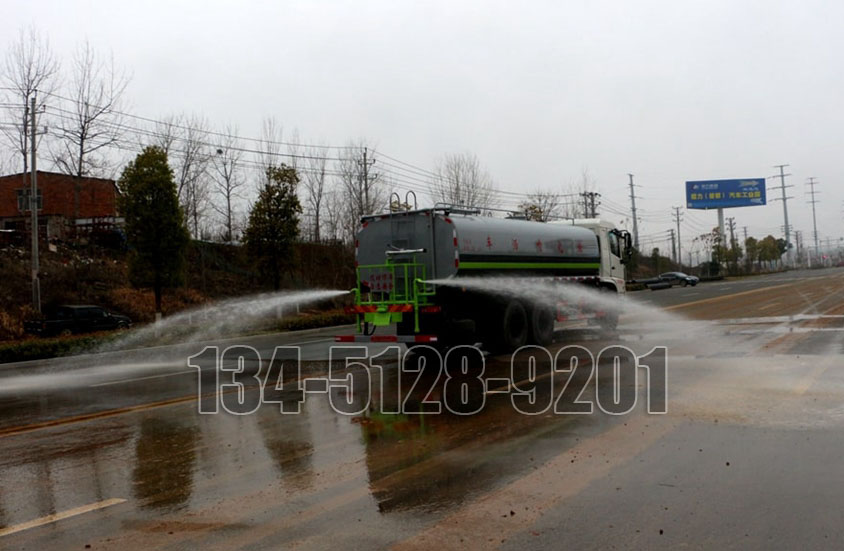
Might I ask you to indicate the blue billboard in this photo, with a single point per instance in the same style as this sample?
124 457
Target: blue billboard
724 194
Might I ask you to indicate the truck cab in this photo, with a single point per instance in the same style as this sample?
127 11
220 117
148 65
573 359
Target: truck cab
616 249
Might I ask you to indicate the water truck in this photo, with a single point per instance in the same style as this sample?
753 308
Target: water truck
401 256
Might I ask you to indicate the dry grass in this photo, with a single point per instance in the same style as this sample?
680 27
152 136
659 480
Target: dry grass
139 304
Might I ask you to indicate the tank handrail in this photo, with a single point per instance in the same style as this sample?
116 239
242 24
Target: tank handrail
459 209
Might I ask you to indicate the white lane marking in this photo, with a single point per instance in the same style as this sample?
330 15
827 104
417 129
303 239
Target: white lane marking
780 330
769 306
60 516
778 319
693 294
117 382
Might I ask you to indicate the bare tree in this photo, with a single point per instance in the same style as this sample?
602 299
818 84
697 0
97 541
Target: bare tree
460 180
542 205
167 132
293 151
29 66
5 163
227 179
93 121
334 213
314 186
269 148
191 156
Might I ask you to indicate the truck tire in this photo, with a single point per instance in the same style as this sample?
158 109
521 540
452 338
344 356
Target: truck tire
609 322
541 325
507 327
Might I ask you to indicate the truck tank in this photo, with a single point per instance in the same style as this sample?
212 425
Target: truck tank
442 245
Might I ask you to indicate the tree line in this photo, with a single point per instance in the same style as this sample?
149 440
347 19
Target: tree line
85 130
157 235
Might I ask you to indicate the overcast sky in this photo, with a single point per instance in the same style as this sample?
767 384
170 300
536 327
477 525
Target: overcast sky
670 91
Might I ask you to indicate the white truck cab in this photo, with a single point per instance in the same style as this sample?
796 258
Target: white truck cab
615 249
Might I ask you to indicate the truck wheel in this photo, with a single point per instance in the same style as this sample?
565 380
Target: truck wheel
541 325
508 327
609 322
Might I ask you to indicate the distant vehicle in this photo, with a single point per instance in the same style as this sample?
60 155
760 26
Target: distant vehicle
70 319
678 278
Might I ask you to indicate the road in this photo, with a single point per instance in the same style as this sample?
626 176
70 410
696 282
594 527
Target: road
110 451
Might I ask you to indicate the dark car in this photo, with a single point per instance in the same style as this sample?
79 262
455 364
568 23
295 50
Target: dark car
678 278
69 319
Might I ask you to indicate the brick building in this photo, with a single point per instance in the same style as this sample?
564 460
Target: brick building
68 206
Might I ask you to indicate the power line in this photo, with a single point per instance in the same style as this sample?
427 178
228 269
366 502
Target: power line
210 132
403 174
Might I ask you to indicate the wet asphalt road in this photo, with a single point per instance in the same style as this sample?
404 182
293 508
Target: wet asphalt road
748 455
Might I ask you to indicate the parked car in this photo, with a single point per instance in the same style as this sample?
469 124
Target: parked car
678 278
68 319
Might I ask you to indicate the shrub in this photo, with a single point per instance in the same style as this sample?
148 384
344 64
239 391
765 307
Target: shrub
139 304
38 349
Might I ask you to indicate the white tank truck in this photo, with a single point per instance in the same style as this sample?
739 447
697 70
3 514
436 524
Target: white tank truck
398 254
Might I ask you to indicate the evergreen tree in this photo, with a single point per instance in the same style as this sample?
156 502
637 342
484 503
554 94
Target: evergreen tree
154 222
274 223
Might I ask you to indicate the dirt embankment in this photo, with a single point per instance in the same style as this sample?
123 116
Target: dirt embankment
77 274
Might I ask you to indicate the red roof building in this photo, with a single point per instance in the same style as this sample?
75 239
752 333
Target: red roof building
67 205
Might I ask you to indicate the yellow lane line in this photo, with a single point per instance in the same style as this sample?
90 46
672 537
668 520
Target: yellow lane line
90 416
60 516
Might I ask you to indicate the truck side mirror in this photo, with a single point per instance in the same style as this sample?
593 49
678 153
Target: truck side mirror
628 247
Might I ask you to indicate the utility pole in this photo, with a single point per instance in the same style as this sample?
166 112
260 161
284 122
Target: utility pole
365 179
633 208
589 205
365 175
733 241
747 261
33 207
811 183
785 199
679 242
798 245
673 246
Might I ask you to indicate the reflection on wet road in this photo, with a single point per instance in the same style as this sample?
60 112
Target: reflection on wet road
747 455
